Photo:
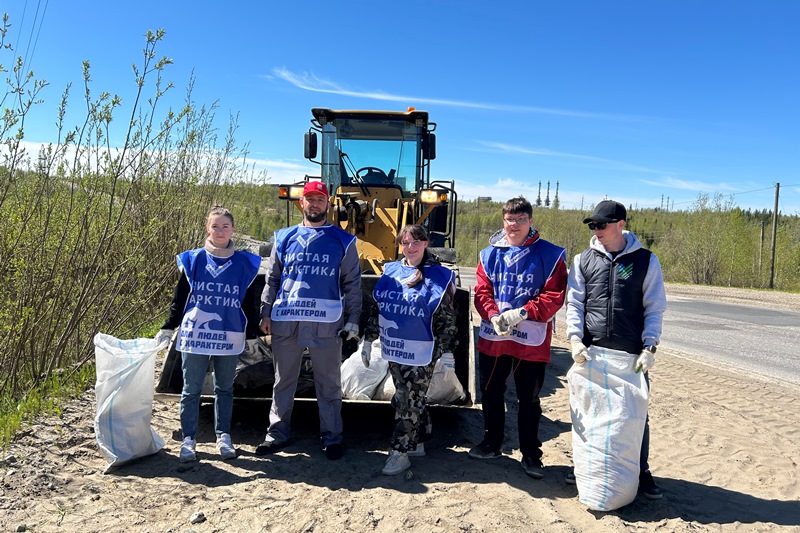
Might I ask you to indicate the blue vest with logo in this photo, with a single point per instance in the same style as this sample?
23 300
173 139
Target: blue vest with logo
405 318
213 321
518 274
310 290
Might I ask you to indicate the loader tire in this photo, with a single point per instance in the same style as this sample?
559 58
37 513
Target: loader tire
445 255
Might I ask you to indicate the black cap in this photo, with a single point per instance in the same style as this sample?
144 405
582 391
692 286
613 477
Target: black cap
607 211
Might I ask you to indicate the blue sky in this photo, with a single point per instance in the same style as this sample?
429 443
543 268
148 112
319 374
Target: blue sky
640 101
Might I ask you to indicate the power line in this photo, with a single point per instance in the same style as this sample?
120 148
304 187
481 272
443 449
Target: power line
29 52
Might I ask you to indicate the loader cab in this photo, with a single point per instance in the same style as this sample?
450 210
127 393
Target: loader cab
377 166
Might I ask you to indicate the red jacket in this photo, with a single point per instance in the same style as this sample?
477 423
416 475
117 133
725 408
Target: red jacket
540 308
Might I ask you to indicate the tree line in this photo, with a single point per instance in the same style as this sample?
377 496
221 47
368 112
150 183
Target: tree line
713 242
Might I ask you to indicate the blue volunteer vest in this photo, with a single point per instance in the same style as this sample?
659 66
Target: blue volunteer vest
405 314
213 321
518 274
310 290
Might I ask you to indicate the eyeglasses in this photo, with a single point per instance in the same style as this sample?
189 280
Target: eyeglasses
411 244
600 225
518 220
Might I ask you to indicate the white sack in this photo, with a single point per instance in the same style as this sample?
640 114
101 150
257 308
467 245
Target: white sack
360 382
124 394
445 387
386 389
608 407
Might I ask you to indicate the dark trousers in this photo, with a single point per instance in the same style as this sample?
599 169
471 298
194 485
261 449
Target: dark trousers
644 453
528 381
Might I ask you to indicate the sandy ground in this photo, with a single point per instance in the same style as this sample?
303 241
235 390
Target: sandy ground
724 449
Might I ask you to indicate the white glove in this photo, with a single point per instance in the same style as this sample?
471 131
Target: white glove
256 347
448 360
514 316
349 331
579 352
164 336
500 325
645 361
366 352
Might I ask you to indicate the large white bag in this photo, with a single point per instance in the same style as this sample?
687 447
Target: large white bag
360 382
124 393
608 407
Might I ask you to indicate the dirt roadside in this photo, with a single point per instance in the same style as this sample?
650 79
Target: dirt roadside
723 449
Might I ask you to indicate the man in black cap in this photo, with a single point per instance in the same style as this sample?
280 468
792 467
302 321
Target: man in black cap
616 300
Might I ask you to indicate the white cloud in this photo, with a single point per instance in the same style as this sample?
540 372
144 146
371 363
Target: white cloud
598 162
697 186
310 82
511 187
283 171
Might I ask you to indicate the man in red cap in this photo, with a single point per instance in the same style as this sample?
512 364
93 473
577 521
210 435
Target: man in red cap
312 300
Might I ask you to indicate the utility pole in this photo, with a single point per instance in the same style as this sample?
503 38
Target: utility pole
774 236
760 248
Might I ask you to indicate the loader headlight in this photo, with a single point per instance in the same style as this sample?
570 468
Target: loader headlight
432 197
290 192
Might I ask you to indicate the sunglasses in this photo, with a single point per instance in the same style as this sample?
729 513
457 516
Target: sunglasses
600 225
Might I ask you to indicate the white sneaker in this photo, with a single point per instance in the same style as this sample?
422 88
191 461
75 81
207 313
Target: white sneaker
396 463
226 449
187 454
419 452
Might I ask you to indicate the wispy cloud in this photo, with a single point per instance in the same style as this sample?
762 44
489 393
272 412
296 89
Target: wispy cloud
595 161
697 186
283 171
470 191
311 82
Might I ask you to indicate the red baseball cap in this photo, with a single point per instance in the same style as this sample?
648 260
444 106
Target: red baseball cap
315 187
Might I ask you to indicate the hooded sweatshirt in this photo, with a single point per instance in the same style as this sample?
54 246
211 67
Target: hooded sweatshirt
533 276
616 301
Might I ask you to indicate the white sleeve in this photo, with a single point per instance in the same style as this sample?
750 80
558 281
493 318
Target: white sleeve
576 299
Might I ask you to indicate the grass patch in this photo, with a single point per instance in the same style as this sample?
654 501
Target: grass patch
47 399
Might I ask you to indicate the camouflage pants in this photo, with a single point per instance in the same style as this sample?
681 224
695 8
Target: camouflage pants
413 421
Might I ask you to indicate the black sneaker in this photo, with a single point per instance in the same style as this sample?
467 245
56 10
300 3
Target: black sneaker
268 447
334 452
484 450
648 487
533 467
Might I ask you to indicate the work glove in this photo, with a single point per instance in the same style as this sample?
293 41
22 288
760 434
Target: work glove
645 362
579 351
366 352
349 331
164 336
257 347
514 316
448 360
500 325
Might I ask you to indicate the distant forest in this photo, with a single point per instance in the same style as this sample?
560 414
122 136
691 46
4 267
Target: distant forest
710 243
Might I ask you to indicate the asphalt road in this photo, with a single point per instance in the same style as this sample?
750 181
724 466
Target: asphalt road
751 339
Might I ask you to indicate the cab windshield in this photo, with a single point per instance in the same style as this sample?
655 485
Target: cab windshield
370 153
